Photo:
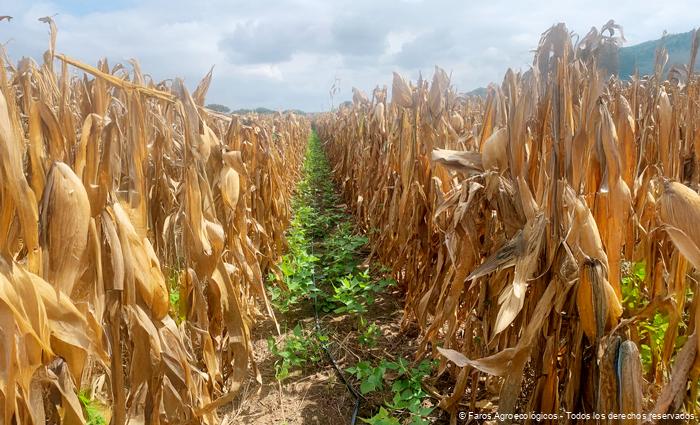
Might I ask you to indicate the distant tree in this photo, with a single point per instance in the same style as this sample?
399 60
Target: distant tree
219 108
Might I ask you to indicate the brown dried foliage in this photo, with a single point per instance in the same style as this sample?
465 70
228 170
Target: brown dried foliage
112 189
508 220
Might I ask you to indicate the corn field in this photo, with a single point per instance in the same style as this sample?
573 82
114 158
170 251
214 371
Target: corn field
547 236
136 232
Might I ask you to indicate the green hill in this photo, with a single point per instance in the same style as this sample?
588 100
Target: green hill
627 60
480 91
642 56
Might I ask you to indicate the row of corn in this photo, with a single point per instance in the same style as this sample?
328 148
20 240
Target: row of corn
136 231
511 221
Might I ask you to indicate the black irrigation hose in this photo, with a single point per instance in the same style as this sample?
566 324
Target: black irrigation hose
324 346
340 373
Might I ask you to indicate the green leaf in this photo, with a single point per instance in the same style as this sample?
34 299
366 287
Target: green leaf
381 418
399 385
366 387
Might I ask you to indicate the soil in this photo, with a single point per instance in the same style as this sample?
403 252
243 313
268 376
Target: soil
318 395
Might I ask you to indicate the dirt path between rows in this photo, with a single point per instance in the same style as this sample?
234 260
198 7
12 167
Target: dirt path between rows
327 272
316 396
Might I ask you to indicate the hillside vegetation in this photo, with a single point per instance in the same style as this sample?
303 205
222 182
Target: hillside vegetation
642 56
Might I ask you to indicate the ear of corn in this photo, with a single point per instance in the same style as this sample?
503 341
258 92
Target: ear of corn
630 381
64 220
608 390
598 309
679 212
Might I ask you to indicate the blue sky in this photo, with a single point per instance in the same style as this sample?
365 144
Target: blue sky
287 54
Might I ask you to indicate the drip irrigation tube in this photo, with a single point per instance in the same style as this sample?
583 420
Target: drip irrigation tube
324 345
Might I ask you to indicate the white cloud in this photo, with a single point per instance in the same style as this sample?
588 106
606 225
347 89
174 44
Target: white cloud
287 53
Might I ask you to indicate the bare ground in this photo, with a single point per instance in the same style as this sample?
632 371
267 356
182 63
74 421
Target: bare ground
317 395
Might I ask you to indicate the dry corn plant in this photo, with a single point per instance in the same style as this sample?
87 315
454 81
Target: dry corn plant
510 222
118 194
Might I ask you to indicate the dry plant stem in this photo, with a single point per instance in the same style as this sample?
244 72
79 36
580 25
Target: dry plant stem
557 185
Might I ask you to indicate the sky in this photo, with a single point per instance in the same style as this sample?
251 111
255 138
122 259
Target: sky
288 53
